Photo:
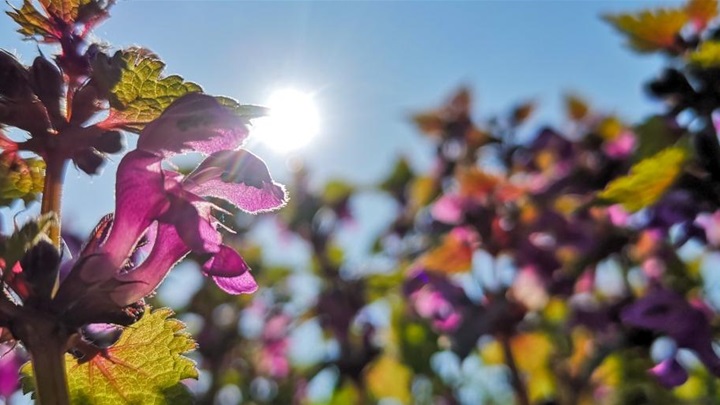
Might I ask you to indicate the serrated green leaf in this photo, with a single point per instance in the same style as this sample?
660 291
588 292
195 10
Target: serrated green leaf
647 181
20 178
650 30
707 55
146 366
138 92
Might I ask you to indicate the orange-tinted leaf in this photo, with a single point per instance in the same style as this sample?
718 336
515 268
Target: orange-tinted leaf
650 30
701 12
454 255
575 107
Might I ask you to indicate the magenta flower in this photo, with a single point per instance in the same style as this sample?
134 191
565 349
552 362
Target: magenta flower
168 211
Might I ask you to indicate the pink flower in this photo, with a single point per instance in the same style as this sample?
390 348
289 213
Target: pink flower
168 211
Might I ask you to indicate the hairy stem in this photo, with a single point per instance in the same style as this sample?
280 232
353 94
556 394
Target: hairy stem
515 379
46 343
52 193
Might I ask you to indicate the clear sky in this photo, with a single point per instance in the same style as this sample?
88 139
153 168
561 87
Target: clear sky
370 64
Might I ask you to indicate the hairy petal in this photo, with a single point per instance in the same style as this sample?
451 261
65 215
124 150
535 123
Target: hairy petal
192 224
238 177
242 284
194 122
226 263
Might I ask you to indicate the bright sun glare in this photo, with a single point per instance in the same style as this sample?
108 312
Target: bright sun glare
292 122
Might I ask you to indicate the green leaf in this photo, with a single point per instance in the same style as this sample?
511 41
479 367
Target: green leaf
145 366
707 55
336 191
137 90
401 175
20 178
15 246
647 181
653 135
650 30
245 111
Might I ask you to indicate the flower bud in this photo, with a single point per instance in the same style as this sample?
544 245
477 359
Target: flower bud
88 160
110 142
40 267
47 83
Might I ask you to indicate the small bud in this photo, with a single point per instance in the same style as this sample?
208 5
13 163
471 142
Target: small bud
110 142
88 160
14 81
40 267
47 83
85 104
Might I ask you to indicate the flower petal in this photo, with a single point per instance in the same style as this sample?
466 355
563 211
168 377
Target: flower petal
167 251
242 284
140 197
226 263
238 177
193 224
194 122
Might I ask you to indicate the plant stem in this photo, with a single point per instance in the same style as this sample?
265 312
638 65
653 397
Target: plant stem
52 192
46 343
515 379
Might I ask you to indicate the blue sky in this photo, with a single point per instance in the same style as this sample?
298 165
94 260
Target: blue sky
370 64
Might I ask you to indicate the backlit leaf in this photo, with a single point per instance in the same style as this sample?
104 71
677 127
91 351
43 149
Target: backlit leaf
246 111
388 378
20 178
51 23
138 91
647 181
575 107
454 255
650 30
32 23
23 239
145 366
701 12
707 55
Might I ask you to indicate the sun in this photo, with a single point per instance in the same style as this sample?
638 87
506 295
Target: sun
292 122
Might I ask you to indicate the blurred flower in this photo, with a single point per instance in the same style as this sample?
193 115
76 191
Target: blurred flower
669 313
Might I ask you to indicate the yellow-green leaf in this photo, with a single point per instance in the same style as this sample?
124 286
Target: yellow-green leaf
388 378
707 55
647 181
575 107
49 25
650 30
139 92
20 178
146 366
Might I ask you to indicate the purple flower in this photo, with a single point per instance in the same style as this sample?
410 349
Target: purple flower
669 373
669 313
168 212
